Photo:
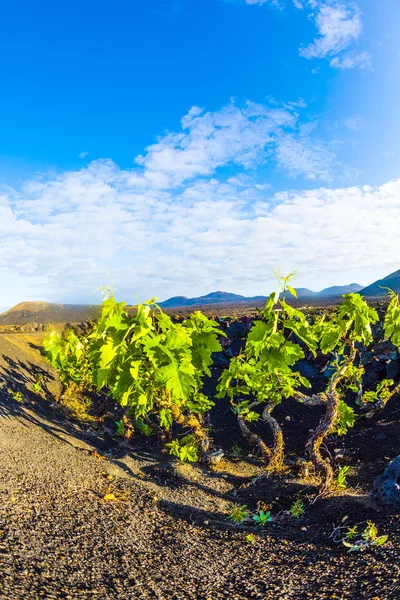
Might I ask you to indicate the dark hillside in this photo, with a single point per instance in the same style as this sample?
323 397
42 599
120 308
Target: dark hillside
375 290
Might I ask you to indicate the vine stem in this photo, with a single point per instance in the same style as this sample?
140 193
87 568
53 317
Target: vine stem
314 400
254 439
277 453
273 459
327 422
196 423
162 434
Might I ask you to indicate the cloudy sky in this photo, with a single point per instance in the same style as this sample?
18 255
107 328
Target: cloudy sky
183 146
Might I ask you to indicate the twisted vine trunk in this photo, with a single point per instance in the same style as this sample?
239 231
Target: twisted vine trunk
277 452
196 423
162 435
327 422
254 440
273 459
318 436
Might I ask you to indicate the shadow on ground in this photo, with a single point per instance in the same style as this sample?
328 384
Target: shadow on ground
180 489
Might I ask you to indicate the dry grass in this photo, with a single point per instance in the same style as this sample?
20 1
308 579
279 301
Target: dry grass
77 404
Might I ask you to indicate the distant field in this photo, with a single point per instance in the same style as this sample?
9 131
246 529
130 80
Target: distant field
39 316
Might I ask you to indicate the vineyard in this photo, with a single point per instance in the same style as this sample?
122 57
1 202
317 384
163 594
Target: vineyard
245 449
155 369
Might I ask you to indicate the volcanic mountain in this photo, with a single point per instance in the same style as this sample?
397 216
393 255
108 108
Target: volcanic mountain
47 312
376 289
226 297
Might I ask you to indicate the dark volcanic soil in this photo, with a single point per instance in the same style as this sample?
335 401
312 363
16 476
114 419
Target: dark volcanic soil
83 518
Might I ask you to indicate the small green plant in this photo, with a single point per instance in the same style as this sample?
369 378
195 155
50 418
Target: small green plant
297 509
184 449
37 386
352 532
18 396
236 450
120 427
144 429
341 480
262 517
238 513
357 541
250 538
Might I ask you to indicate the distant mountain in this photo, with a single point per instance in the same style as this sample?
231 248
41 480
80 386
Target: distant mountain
375 290
213 298
338 290
304 293
47 312
225 297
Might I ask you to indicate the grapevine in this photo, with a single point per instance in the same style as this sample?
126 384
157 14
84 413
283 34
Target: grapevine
154 368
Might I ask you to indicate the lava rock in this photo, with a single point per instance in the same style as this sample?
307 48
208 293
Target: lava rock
331 367
236 330
385 493
393 369
320 361
365 357
386 351
220 360
377 329
235 348
375 372
306 369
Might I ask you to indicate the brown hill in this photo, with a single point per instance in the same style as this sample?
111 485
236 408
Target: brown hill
46 312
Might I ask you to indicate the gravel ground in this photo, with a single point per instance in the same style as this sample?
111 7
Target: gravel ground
161 534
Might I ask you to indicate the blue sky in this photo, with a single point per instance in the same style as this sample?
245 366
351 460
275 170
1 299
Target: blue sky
183 146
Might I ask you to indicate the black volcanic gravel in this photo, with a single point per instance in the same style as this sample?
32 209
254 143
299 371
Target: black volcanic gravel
60 539
165 535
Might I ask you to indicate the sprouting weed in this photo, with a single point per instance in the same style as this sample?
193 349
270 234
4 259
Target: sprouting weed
18 396
341 480
250 538
352 532
262 517
120 427
357 541
297 509
37 386
238 513
236 450
370 533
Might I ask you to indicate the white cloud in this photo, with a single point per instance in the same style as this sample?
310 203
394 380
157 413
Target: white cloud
300 155
242 137
361 60
275 3
339 25
177 224
353 123
211 235
83 154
